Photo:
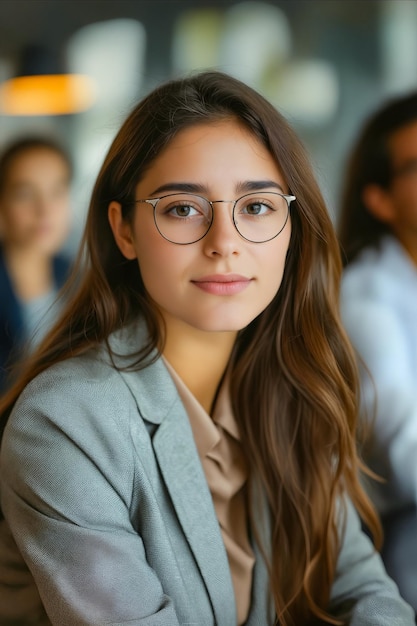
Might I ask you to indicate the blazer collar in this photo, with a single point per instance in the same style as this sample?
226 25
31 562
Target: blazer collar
158 402
152 387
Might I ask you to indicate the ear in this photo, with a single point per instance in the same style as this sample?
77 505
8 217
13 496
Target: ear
379 203
122 231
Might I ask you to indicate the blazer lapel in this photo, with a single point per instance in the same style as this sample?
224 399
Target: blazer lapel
262 610
159 403
187 486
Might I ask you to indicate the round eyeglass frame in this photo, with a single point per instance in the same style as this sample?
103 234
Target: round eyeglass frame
154 201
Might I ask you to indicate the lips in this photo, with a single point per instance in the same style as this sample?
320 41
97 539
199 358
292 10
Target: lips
223 284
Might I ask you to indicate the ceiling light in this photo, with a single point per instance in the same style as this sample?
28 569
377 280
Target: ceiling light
41 87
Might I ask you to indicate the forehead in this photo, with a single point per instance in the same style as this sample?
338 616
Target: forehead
200 136
37 159
213 149
403 143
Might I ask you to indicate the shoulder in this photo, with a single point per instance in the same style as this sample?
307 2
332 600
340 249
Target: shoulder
380 283
75 410
11 323
99 385
366 272
86 370
98 393
381 279
72 389
71 424
6 289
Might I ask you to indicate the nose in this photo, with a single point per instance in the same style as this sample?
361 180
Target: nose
222 239
42 205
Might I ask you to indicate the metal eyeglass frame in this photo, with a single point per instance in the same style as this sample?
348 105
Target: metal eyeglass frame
154 201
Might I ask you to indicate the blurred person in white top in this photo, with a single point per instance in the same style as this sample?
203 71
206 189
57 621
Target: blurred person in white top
378 236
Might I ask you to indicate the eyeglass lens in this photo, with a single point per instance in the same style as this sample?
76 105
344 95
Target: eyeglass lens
186 218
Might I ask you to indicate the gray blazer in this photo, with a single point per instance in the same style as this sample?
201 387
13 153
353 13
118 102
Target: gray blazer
103 489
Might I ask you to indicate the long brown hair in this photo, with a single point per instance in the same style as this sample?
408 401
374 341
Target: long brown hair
292 370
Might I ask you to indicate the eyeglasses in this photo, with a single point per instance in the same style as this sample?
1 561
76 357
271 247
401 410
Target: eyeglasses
184 218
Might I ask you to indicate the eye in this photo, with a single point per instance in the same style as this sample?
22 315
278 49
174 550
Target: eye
183 210
257 207
182 207
23 194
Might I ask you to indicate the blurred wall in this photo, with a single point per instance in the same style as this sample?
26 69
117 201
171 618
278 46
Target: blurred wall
326 64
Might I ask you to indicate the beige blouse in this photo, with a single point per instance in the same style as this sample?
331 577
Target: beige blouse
220 452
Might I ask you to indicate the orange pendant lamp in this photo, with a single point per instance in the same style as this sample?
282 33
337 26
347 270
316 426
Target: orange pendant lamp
41 87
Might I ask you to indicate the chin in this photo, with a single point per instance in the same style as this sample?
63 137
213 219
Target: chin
226 326
49 248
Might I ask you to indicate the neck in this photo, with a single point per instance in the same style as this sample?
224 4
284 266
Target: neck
199 358
408 240
30 272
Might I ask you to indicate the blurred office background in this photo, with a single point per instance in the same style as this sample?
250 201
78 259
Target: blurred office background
325 64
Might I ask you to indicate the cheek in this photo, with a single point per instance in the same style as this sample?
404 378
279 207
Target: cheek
19 217
411 197
275 274
277 256
62 216
405 204
159 264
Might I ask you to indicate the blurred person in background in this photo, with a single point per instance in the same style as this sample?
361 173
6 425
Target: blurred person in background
378 236
35 175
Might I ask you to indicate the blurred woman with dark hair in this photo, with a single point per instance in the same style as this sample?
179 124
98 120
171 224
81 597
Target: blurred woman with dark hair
35 174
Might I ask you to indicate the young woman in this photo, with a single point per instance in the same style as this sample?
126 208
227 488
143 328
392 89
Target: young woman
35 175
181 448
378 234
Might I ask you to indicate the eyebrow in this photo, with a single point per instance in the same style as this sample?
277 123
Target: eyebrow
407 166
242 187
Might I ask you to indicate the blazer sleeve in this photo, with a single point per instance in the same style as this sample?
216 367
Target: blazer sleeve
362 593
67 480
